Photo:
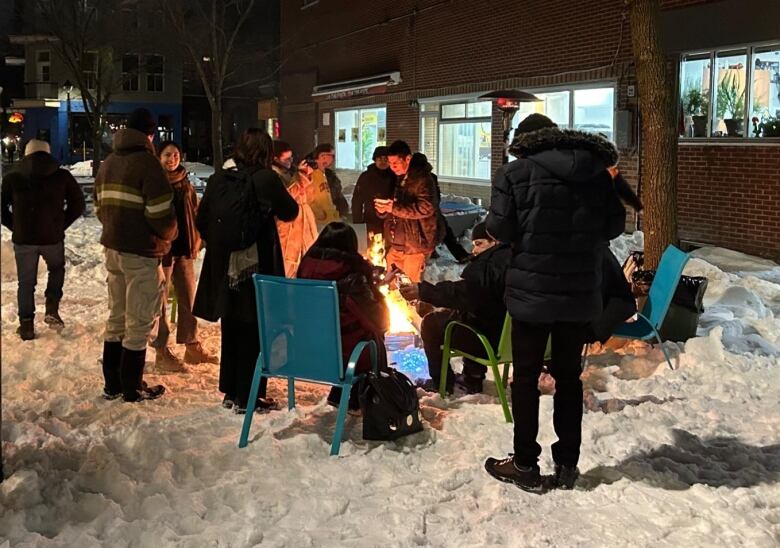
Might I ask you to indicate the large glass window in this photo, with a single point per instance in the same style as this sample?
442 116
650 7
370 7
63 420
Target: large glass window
695 93
730 79
154 72
358 133
554 105
588 109
765 110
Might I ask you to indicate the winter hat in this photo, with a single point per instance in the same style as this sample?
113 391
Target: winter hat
36 145
534 122
142 120
479 232
380 151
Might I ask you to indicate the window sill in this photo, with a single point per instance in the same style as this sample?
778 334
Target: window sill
729 141
456 181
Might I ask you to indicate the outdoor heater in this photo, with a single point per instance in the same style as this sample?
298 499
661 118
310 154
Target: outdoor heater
508 102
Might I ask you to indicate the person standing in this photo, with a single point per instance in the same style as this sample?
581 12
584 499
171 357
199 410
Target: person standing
226 291
134 203
40 201
324 156
411 223
556 204
377 181
179 266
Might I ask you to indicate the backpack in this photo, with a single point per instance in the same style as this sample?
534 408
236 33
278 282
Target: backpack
235 214
390 406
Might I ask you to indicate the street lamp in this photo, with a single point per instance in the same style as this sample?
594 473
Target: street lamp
508 102
67 87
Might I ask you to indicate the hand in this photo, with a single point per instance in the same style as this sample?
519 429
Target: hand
410 292
382 205
305 168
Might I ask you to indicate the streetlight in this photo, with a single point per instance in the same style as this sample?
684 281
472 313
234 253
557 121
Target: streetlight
67 87
508 102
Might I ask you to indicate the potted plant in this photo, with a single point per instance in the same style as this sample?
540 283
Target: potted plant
769 127
731 101
696 105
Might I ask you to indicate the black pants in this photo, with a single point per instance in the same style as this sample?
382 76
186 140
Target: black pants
432 332
528 345
240 347
27 272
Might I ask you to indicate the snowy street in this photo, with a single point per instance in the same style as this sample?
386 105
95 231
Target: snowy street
689 457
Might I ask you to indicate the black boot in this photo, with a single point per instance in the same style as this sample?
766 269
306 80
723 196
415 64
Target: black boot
565 476
112 353
26 329
507 470
131 369
52 318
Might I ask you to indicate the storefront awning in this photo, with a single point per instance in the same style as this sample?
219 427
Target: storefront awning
361 86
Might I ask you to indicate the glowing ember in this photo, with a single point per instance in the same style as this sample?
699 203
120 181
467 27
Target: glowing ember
400 312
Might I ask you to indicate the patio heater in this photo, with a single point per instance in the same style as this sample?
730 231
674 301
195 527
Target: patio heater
508 102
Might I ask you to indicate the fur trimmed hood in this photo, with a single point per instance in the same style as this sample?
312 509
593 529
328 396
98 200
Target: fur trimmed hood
568 154
419 165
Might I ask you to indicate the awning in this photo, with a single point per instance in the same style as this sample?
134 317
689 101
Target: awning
360 86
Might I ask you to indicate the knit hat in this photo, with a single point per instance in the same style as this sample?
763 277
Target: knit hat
534 122
479 232
142 120
380 151
36 145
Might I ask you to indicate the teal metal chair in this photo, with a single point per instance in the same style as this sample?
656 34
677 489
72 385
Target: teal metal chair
300 338
503 356
665 282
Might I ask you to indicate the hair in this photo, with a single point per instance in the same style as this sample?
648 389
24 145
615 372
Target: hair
166 144
280 147
338 235
399 148
379 151
254 148
323 148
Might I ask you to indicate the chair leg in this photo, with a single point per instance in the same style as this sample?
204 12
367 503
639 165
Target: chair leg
666 352
585 357
250 405
340 417
290 393
501 392
505 377
445 366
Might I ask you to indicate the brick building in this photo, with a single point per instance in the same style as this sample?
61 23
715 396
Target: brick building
361 73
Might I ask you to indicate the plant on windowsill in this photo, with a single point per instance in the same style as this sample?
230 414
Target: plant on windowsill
697 106
768 127
731 101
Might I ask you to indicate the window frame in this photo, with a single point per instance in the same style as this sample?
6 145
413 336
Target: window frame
39 65
466 119
148 74
750 52
126 76
93 74
357 109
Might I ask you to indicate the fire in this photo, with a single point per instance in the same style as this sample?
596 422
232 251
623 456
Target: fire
400 312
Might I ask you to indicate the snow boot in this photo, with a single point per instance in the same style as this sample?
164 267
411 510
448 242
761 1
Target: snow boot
131 370
167 362
565 476
112 354
52 317
26 329
196 354
527 478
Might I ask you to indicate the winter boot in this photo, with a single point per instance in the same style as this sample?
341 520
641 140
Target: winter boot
196 354
166 361
112 354
26 329
52 317
527 478
565 476
131 369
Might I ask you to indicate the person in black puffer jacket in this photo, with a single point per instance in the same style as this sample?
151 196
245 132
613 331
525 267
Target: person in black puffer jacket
558 208
377 181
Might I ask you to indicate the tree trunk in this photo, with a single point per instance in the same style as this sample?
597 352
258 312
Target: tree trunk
659 130
97 147
216 131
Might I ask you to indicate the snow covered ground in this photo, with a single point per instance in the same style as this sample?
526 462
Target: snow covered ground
685 457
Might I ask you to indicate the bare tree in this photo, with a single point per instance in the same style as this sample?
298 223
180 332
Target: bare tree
659 129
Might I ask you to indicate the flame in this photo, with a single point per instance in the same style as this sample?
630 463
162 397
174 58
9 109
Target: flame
400 312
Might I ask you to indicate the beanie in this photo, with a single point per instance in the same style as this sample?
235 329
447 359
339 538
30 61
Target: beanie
142 120
479 232
380 151
534 122
36 145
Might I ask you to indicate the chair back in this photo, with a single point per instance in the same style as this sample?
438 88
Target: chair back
300 334
504 350
667 277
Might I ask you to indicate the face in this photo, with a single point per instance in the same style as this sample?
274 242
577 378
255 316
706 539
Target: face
481 244
285 158
170 158
399 164
325 159
381 162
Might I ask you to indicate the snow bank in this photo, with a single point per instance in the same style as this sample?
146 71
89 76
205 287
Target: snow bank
81 169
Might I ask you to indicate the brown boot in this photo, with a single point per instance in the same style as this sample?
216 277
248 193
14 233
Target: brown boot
196 354
166 361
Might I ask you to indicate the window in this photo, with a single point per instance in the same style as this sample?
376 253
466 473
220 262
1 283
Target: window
585 109
730 93
154 73
89 65
456 138
43 64
358 133
130 72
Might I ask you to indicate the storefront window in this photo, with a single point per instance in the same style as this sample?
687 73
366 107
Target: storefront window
358 132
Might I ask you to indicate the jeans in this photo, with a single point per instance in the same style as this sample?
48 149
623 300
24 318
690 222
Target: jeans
27 272
529 342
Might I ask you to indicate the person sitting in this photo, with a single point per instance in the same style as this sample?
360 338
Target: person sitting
377 181
477 300
363 313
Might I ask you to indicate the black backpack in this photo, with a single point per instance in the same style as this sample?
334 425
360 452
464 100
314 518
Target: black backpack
390 406
235 215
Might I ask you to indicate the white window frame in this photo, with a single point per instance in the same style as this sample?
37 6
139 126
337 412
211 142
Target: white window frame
336 128
40 64
147 74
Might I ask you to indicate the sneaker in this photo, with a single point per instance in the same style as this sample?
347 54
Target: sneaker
196 354
263 405
565 476
146 393
165 360
109 396
526 478
227 402
26 330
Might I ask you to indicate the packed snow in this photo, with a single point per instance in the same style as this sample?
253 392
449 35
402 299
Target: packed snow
684 457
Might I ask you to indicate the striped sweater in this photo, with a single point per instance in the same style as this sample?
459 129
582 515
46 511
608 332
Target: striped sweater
133 198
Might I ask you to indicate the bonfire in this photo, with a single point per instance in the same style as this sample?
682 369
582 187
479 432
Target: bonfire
402 316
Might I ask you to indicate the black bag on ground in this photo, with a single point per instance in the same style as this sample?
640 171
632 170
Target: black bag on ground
390 406
235 214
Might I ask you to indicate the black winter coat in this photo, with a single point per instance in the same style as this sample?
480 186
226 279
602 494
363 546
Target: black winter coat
40 201
619 302
557 206
480 292
336 192
213 293
372 183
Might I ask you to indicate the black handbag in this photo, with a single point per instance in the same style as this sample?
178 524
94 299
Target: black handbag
390 406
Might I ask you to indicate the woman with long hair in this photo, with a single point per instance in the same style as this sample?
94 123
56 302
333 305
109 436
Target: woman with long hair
225 291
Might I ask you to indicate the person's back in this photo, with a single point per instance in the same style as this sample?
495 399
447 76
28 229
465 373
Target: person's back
377 181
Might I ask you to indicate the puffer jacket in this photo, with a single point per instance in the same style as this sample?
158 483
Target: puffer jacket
557 206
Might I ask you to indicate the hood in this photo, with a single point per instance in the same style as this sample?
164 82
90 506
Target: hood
331 264
419 166
373 169
131 139
570 155
38 164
